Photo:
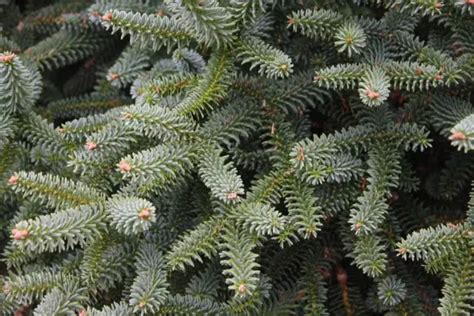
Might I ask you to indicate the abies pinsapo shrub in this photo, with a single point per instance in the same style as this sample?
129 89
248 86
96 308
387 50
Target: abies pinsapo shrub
237 157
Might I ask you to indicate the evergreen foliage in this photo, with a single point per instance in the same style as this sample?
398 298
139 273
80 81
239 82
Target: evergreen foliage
231 157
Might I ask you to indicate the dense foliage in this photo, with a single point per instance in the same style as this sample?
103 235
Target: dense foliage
237 157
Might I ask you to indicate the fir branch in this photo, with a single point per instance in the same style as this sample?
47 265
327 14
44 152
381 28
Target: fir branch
232 124
116 309
314 291
50 19
67 47
26 288
458 289
130 215
205 284
371 208
195 244
304 211
209 22
59 231
259 219
339 77
272 62
148 291
462 134
423 7
374 87
189 60
7 129
106 264
315 23
221 177
131 64
39 132
157 122
433 242
158 166
351 38
52 190
146 29
186 304
210 89
153 90
370 256
77 130
62 300
391 291
20 84
242 274
85 105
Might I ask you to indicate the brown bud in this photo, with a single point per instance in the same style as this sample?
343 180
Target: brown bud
283 67
13 180
90 146
107 17
299 295
114 76
341 276
242 289
83 312
19 234
124 166
402 250
232 196
291 21
7 58
127 116
300 153
372 95
460 136
358 226
145 214
273 129
22 311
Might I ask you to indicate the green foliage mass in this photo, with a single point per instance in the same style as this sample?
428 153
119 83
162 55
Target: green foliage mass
236 157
